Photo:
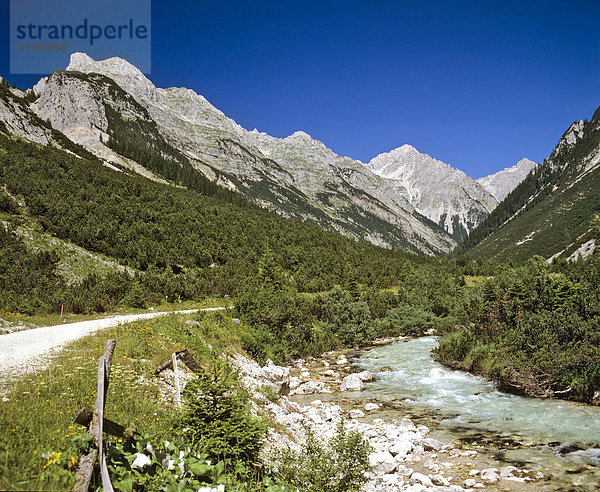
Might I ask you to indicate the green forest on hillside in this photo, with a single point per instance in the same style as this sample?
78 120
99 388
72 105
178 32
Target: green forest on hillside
300 290
182 243
547 211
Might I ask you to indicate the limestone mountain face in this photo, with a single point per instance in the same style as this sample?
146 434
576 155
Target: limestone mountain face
445 195
503 182
18 120
296 176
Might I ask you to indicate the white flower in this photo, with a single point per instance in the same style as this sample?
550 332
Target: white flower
218 488
167 463
141 460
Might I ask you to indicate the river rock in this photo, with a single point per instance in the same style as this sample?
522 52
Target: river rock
352 383
405 424
490 475
423 430
356 414
419 478
404 471
417 487
330 373
439 480
431 444
309 388
365 376
470 482
382 463
341 360
400 449
432 465
508 471
417 450
371 406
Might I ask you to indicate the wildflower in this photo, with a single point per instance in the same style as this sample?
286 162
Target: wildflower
54 458
140 461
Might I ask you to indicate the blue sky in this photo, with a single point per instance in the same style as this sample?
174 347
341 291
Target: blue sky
478 84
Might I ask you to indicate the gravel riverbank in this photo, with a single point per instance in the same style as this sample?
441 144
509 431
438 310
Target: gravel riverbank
405 456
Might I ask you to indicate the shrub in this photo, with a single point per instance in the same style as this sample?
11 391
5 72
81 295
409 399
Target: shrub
339 465
217 419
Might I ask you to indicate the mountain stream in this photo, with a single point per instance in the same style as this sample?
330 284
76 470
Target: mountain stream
559 438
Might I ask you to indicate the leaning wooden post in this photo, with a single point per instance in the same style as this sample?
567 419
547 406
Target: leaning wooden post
85 470
177 390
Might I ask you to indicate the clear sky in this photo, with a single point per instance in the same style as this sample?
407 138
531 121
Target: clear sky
478 84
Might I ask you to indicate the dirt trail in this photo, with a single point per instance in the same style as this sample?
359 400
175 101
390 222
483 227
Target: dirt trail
29 350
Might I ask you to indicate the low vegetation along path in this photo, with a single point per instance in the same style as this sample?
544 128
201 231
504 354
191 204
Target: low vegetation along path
28 350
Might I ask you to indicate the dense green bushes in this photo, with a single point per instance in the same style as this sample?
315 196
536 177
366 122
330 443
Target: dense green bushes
284 323
534 329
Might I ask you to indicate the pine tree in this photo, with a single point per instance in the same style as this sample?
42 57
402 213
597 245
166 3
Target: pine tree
596 224
270 275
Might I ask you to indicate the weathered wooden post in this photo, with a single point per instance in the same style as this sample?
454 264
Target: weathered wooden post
177 390
86 463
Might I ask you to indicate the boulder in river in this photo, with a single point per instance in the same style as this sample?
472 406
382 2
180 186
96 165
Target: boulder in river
365 376
352 383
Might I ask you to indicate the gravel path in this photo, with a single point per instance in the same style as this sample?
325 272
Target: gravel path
29 350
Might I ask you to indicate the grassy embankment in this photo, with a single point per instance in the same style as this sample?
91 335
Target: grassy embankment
39 441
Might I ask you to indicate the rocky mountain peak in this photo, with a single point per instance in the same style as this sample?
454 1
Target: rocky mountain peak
500 184
443 194
128 76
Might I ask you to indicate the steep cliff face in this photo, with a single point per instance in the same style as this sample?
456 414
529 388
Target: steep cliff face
17 119
500 184
79 105
445 195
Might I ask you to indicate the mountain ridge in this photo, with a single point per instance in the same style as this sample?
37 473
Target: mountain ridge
117 117
550 211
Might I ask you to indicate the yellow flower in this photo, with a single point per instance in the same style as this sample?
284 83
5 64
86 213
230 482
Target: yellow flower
54 458
73 462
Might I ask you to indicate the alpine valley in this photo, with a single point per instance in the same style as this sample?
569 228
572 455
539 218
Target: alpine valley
276 271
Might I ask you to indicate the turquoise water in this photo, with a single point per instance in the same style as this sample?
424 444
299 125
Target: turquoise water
559 437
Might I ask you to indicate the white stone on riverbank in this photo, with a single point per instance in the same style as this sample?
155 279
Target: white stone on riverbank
352 383
356 414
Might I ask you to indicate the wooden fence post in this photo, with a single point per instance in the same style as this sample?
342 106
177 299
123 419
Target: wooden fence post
177 390
86 463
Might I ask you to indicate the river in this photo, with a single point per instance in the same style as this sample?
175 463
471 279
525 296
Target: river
559 438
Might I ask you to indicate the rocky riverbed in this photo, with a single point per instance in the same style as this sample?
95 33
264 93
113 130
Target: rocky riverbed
406 457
